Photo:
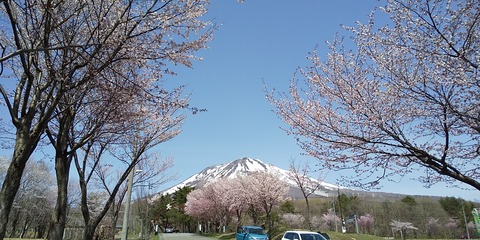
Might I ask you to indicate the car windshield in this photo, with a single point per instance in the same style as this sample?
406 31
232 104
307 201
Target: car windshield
311 236
255 230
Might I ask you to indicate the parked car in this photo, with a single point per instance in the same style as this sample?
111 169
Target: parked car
302 235
251 233
169 230
325 235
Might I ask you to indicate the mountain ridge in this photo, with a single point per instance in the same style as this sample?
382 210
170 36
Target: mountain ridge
247 165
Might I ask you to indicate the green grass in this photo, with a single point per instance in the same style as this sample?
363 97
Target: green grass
352 236
333 236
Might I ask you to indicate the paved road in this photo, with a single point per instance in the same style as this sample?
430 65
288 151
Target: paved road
178 236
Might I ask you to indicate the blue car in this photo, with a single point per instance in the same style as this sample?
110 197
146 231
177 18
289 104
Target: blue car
251 233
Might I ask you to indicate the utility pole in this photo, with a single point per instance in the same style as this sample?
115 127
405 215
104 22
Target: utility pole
127 205
335 213
465 219
344 229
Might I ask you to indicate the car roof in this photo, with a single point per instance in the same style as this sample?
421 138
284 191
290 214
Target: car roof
300 231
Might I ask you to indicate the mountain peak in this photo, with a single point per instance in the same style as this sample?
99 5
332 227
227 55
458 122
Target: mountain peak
241 166
244 165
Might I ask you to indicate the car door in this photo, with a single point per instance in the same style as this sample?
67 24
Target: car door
240 233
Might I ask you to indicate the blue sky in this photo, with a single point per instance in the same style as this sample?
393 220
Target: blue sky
261 41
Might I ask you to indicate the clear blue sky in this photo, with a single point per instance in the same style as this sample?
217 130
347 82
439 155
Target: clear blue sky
261 41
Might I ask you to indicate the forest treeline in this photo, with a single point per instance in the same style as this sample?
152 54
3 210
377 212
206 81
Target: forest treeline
431 217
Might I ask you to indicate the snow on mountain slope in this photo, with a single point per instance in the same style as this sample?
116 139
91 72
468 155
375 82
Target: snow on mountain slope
244 166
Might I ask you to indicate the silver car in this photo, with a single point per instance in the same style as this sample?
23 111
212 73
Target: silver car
302 235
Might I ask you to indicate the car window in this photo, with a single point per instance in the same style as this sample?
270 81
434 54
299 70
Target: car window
289 236
311 236
295 236
255 231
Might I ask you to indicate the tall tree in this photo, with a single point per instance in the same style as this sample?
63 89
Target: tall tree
207 205
300 174
259 192
179 200
34 200
407 96
56 51
402 227
458 208
269 191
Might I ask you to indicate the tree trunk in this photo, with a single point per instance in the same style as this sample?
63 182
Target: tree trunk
24 146
59 215
253 214
89 232
26 226
309 222
14 224
115 213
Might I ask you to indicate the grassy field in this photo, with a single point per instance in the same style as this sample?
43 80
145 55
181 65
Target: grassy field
351 236
333 236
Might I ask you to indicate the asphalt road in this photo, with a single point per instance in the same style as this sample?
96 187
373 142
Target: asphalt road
178 236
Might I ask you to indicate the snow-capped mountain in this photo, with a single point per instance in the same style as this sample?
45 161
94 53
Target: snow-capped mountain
244 166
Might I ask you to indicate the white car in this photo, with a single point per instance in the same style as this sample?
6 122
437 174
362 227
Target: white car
302 235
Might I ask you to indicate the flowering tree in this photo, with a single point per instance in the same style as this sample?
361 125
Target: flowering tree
206 203
406 98
330 220
293 220
34 200
250 197
365 222
300 175
433 226
316 222
219 201
236 197
269 191
63 54
451 226
402 227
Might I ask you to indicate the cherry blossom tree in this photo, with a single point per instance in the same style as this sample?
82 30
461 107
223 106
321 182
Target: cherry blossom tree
101 178
58 52
365 222
224 198
269 191
196 204
250 197
206 203
402 227
317 222
235 197
433 226
405 98
300 174
451 226
34 200
293 220
330 220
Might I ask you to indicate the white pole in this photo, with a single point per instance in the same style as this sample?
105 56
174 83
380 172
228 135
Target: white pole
127 205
